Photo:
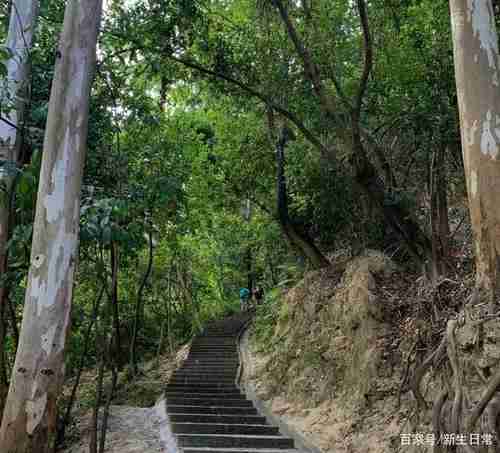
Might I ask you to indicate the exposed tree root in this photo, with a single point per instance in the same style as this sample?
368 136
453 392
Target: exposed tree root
450 411
487 396
420 372
492 412
457 376
436 418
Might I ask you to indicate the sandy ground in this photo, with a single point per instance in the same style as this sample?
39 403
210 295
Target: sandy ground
133 429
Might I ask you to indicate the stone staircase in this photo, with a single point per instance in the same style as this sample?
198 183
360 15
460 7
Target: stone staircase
206 410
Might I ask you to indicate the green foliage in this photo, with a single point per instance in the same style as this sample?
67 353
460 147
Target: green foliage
175 150
266 318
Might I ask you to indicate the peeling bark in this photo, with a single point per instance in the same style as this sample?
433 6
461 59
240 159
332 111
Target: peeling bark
29 420
477 65
22 24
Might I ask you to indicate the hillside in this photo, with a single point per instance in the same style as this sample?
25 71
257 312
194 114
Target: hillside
337 355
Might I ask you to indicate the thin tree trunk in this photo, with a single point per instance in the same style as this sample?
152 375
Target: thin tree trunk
439 213
169 311
29 421
114 301
437 269
160 342
250 277
138 305
13 322
103 343
105 416
67 415
477 73
442 190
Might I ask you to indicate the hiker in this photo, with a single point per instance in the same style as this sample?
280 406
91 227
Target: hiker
244 297
258 295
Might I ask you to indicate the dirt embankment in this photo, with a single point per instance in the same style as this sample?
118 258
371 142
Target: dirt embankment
337 359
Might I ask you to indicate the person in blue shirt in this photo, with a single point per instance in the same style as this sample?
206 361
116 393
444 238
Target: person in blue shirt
244 298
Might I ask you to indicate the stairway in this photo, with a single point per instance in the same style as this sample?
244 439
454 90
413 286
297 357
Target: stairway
207 411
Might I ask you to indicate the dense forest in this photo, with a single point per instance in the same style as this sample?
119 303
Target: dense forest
159 155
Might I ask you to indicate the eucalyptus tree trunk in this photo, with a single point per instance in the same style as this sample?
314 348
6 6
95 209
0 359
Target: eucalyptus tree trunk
13 93
477 64
29 419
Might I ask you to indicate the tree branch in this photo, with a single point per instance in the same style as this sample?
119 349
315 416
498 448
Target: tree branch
368 60
190 63
254 93
310 68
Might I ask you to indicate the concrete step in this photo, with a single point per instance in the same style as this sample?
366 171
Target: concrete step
189 388
208 349
183 409
192 379
209 402
230 441
204 375
214 346
212 361
197 368
207 412
217 418
214 341
222 428
209 364
230 395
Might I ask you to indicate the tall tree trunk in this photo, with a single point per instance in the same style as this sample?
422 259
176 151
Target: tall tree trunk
300 240
477 72
23 20
29 420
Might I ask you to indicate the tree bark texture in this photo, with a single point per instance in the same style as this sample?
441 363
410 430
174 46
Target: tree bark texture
22 24
477 63
29 420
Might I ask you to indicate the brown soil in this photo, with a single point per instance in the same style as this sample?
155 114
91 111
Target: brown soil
337 362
